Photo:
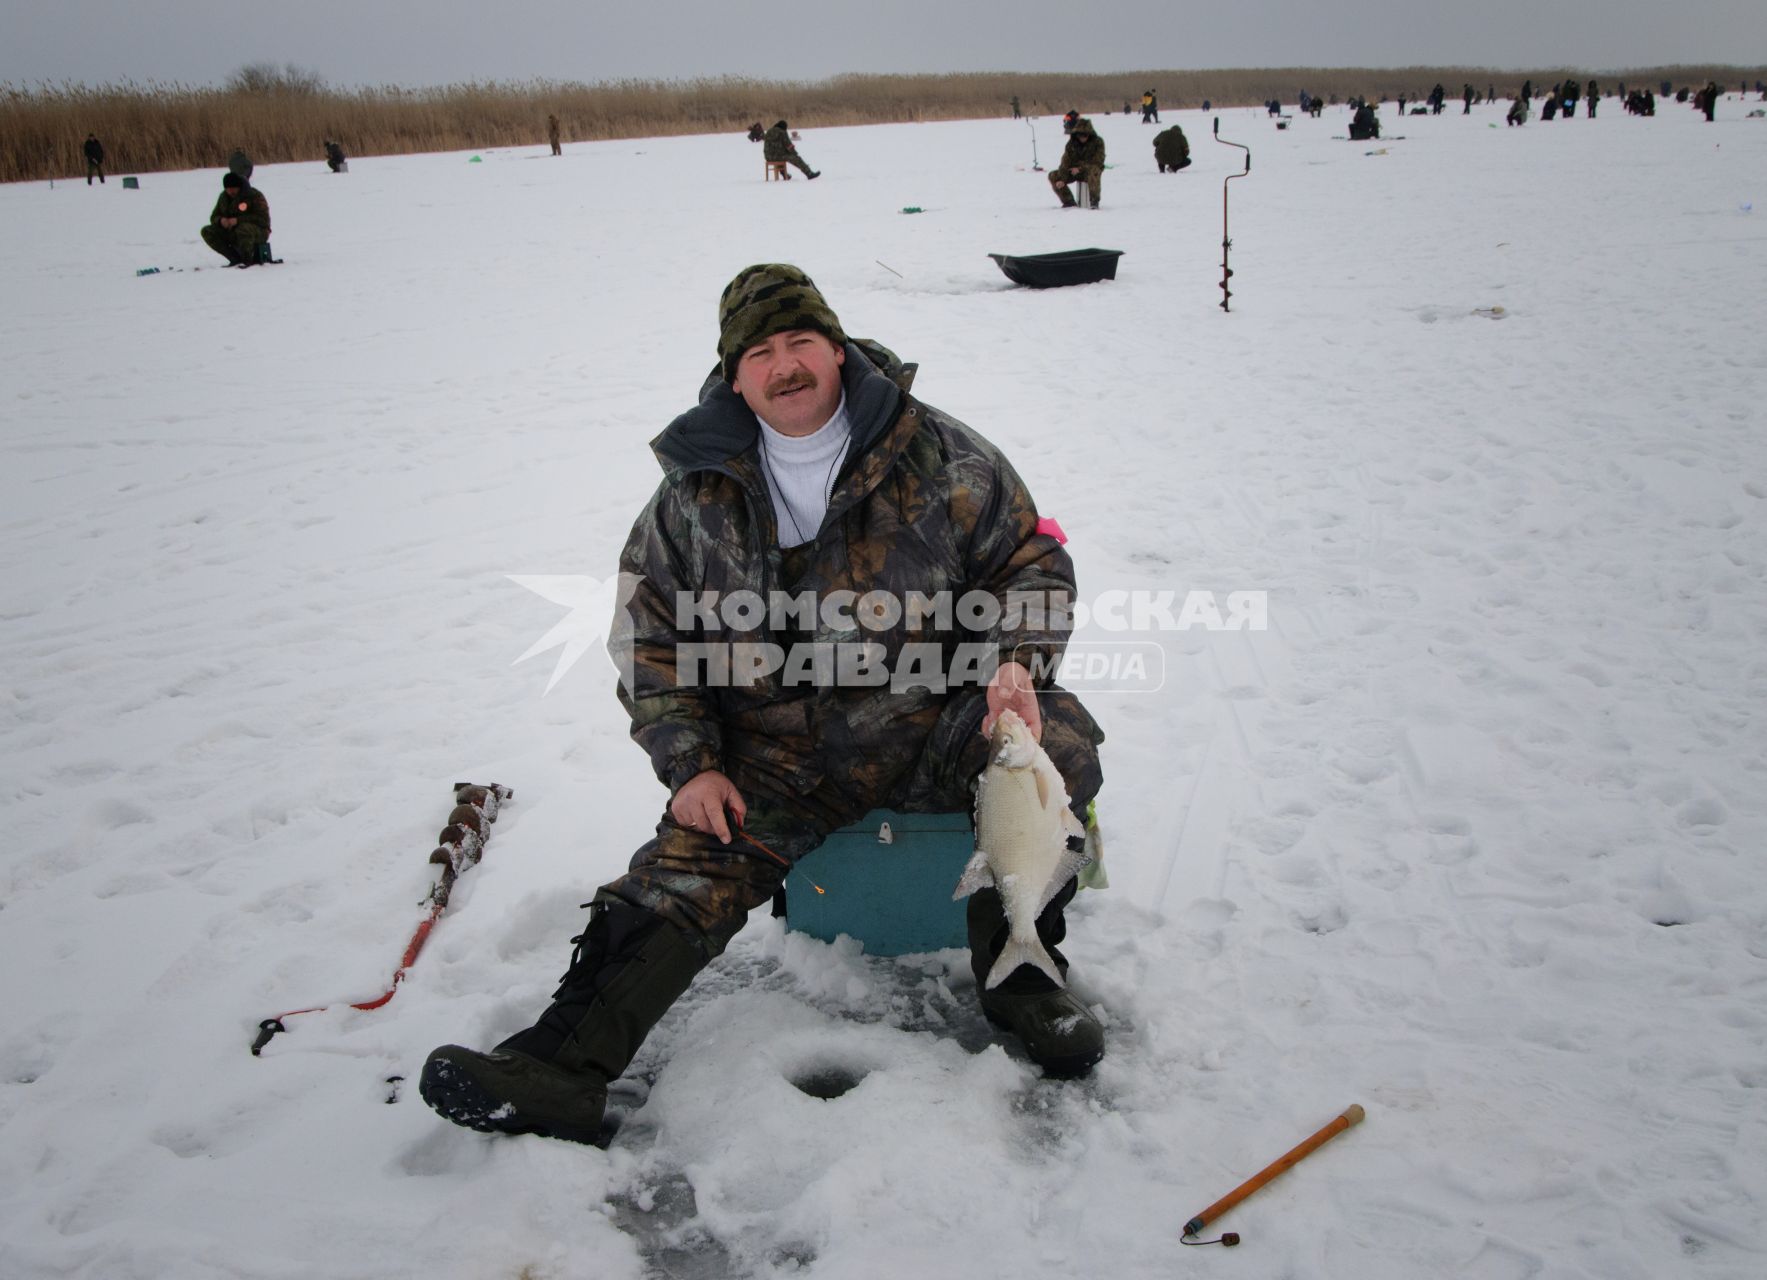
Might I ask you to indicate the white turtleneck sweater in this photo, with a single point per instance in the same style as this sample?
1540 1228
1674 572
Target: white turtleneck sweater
800 474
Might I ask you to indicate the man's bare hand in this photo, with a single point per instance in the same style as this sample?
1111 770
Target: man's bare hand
701 804
1011 690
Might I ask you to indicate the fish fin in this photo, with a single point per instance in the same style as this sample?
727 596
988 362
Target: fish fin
1042 789
1072 824
976 875
1071 864
1023 951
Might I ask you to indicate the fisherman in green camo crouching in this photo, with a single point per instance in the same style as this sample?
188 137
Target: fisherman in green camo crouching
806 472
1171 150
239 225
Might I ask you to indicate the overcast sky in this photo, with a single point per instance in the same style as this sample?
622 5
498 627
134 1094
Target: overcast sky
416 42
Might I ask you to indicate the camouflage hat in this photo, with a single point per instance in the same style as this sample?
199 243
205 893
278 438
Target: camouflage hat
765 299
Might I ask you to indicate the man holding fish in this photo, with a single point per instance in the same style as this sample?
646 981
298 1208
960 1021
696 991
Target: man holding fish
841 599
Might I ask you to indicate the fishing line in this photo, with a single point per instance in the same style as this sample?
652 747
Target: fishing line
781 861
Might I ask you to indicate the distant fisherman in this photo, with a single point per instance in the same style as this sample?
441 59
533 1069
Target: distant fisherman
94 158
1171 150
1706 100
777 145
1082 164
239 225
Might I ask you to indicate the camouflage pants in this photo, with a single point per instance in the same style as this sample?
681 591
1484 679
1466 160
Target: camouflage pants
795 159
94 167
237 243
706 889
1093 178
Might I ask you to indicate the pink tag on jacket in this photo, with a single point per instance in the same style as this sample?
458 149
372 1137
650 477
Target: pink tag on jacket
1049 525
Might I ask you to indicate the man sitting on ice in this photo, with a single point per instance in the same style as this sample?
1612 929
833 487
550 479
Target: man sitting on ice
805 470
1082 164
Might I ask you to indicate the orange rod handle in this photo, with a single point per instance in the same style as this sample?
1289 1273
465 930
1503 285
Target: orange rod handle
1352 1116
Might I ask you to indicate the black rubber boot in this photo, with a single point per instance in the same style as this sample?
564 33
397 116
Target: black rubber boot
551 1079
1059 1033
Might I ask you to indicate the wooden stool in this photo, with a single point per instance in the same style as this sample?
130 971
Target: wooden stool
776 169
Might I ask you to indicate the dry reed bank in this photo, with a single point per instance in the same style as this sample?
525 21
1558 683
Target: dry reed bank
174 126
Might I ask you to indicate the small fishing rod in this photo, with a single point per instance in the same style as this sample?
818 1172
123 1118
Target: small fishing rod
1352 1116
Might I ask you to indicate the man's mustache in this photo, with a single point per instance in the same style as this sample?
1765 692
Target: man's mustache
791 382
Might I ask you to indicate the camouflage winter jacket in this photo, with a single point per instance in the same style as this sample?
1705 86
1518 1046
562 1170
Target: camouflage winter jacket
1085 154
247 204
1170 146
776 144
921 504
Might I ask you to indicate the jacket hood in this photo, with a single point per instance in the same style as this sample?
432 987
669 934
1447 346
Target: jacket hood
722 427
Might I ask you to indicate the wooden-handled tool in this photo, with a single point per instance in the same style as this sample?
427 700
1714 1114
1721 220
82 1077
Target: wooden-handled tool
1351 1116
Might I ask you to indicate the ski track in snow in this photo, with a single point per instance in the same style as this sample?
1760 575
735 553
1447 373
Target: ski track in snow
1469 835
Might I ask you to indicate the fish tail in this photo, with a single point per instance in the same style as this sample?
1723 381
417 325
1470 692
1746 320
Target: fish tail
1023 951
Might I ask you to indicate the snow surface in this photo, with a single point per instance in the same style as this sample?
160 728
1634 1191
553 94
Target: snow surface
1471 835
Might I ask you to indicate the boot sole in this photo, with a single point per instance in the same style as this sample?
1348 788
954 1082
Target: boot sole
455 1095
1071 1067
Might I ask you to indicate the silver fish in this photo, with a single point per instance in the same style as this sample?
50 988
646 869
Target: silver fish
1022 827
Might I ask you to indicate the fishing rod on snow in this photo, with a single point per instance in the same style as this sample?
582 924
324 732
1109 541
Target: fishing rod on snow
1035 166
1226 241
1352 1116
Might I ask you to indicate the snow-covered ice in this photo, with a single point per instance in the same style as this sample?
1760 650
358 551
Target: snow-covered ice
1472 834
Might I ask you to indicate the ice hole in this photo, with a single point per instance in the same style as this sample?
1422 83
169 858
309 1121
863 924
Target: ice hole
827 1080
